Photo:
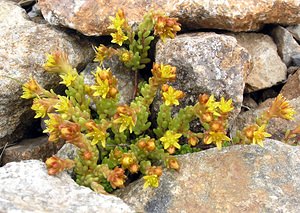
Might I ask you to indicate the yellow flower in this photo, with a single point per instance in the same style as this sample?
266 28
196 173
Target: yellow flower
125 116
170 138
212 105
163 73
259 135
119 37
118 21
151 180
167 72
225 106
39 108
126 121
57 62
126 56
53 126
64 105
171 96
216 138
281 108
68 78
102 89
103 52
31 89
98 135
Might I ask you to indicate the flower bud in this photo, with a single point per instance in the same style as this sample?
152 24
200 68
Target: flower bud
127 160
117 153
113 92
150 145
154 170
173 163
171 150
216 126
165 87
193 141
90 125
141 144
87 155
117 178
203 99
207 117
134 168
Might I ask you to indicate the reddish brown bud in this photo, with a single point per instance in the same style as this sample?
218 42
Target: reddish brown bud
134 168
150 145
141 144
87 155
113 92
171 150
217 126
193 141
173 163
207 117
203 99
90 125
117 178
154 170
165 87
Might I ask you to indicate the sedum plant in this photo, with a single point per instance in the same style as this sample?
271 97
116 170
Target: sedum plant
116 141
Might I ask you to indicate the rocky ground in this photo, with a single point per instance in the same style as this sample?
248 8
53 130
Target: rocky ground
245 50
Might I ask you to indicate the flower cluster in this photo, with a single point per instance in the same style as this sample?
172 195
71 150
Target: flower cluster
213 115
166 27
163 73
256 133
170 95
126 117
106 84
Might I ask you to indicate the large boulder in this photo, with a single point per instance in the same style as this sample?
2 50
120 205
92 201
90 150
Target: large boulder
206 63
91 17
237 179
23 45
268 69
26 187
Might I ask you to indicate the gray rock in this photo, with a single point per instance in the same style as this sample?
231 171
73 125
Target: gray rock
23 45
295 31
268 69
286 44
67 151
26 187
237 179
206 63
277 127
91 17
34 148
124 76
